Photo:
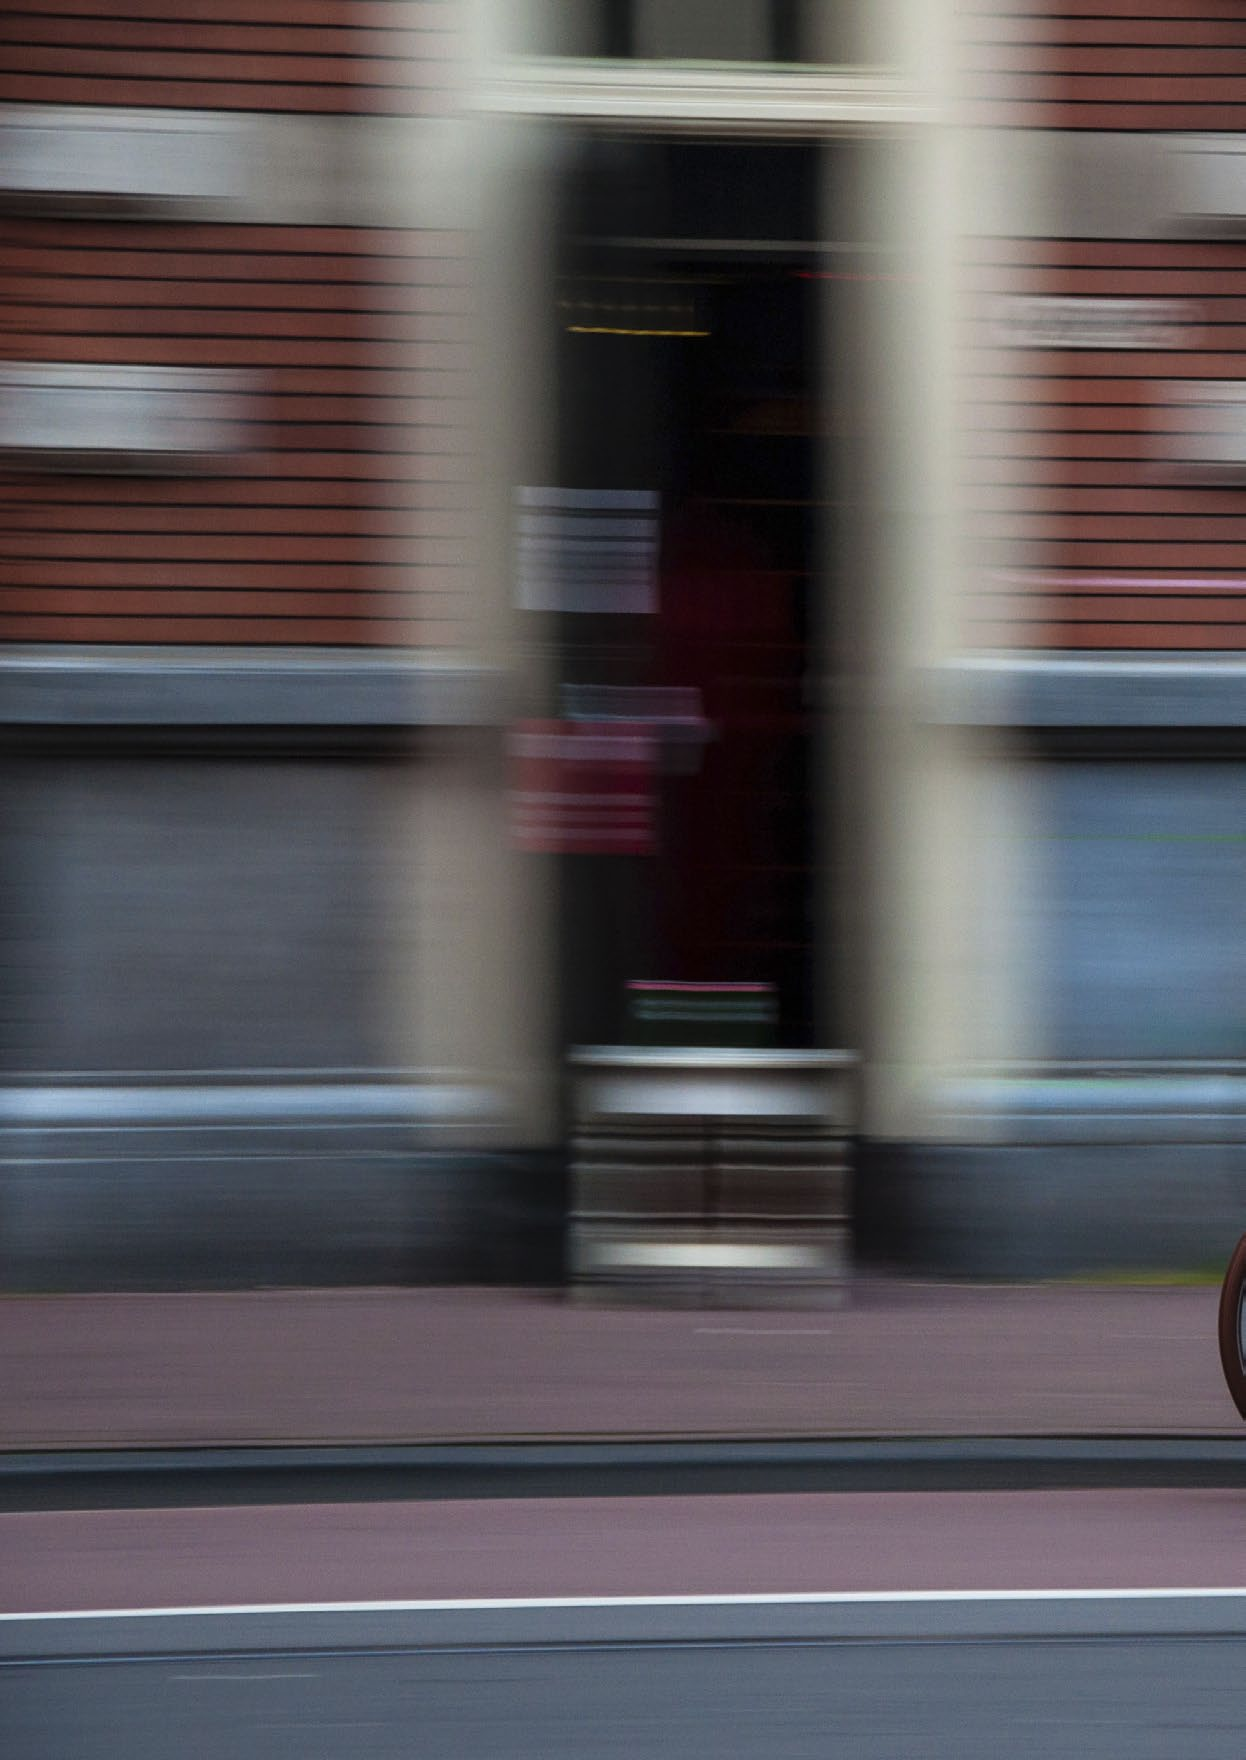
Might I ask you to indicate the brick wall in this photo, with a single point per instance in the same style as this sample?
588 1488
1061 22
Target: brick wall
1108 64
1085 536
325 56
345 519
1072 460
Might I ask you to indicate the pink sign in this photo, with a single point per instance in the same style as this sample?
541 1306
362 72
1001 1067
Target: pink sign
583 787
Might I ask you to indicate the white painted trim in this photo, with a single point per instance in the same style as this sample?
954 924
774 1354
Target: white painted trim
1102 666
277 687
737 99
272 1106
1088 690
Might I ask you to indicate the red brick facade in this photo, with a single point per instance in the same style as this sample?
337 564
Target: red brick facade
1072 449
1109 64
343 520
311 56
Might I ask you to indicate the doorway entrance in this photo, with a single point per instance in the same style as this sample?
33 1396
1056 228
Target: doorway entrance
692 546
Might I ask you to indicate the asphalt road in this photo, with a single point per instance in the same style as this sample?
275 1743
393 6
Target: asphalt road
1077 1623
1127 1698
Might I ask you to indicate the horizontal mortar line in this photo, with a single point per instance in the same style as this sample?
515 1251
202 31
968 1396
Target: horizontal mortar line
188 528
418 34
248 509
365 340
361 563
14 37
231 76
53 270
442 82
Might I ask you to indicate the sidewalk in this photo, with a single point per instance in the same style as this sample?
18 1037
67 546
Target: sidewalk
416 1365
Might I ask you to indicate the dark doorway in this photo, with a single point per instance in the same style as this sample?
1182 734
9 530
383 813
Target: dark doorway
689 379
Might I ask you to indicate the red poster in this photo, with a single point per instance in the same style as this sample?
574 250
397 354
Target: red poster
583 787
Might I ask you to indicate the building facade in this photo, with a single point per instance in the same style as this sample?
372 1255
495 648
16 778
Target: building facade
252 681
506 504
1093 692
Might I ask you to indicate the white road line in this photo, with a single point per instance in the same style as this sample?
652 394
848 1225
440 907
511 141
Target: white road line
852 1598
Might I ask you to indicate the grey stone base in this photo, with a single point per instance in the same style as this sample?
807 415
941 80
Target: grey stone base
290 1216
1050 1209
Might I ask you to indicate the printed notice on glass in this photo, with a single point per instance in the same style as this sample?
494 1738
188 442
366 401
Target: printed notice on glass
588 550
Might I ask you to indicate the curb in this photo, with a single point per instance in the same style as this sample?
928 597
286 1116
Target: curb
178 1478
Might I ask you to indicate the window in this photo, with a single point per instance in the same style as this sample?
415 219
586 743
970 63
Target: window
782 31
1142 911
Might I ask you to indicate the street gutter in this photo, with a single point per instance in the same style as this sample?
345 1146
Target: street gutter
206 1477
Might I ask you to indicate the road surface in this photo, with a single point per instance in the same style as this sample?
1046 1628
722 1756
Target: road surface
1125 1699
1094 1624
